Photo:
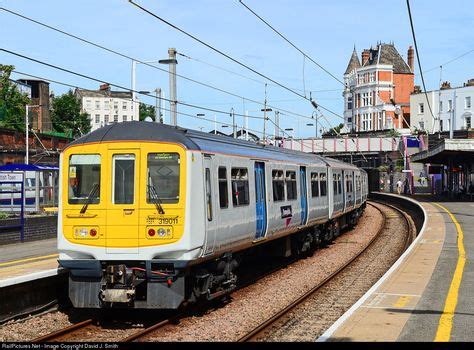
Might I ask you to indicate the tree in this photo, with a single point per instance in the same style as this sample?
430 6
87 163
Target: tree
147 111
67 116
334 131
12 101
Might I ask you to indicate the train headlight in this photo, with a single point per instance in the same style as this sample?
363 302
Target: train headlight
161 232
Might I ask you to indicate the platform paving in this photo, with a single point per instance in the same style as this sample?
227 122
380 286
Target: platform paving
408 304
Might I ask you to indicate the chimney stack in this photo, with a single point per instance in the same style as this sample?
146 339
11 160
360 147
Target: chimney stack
445 85
105 87
365 56
411 56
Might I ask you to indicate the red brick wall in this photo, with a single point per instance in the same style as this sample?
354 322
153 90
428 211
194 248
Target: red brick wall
404 86
385 76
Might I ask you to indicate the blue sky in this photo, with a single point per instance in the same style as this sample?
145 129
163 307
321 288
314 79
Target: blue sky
325 30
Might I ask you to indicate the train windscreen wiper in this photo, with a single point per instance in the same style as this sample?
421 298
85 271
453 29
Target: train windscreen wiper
155 198
90 196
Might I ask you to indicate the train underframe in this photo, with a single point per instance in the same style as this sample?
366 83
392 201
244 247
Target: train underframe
168 284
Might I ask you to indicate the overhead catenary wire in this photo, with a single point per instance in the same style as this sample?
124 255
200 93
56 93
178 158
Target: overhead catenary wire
149 64
165 109
228 56
418 60
291 43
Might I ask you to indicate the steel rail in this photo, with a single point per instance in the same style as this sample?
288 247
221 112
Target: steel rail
64 331
253 335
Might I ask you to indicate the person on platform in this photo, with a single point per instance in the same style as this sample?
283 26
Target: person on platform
399 186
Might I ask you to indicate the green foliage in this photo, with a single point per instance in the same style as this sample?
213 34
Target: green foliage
147 111
393 133
12 101
67 117
334 131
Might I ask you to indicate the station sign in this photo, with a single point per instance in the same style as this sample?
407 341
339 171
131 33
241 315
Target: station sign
11 177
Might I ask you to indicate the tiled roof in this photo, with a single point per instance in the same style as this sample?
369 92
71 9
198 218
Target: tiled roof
353 62
104 93
388 54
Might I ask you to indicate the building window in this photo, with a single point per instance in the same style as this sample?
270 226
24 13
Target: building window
124 106
115 105
290 185
106 105
440 106
278 184
124 118
450 105
240 186
88 104
349 102
97 104
421 108
422 125
106 119
467 102
441 125
468 122
223 191
372 77
115 118
97 118
314 185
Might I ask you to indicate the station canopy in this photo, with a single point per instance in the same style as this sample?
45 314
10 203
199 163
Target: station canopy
455 150
28 167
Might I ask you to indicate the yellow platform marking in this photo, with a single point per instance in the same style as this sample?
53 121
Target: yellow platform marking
14 262
402 301
445 325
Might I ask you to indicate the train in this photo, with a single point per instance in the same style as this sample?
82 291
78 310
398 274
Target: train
153 216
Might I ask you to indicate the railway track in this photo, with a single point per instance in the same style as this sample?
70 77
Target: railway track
77 331
260 331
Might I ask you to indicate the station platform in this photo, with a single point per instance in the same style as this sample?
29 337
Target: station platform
427 294
24 262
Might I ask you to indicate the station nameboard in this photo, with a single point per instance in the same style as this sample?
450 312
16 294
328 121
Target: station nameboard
11 177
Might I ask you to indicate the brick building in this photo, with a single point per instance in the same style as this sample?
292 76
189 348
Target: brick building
378 88
40 116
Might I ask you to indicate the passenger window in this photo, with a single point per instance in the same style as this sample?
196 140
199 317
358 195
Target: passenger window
334 183
84 178
208 195
339 184
123 178
291 185
314 185
278 183
223 191
240 186
323 184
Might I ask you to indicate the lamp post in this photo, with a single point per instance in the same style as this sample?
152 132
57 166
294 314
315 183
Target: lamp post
315 117
234 127
172 62
265 110
134 86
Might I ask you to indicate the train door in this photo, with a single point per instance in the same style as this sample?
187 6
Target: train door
345 196
211 220
122 232
304 195
260 199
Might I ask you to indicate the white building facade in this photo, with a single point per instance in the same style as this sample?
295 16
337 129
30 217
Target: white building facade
107 107
448 106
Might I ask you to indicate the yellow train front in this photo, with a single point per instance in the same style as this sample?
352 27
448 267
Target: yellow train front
151 216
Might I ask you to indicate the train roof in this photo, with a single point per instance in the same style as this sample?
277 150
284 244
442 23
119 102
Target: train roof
200 141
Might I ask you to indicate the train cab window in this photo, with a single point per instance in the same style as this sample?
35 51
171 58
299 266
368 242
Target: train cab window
240 186
223 191
163 177
84 179
278 184
323 185
314 185
123 178
290 185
